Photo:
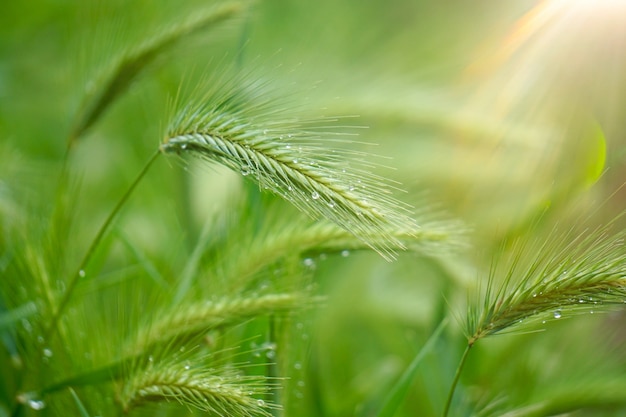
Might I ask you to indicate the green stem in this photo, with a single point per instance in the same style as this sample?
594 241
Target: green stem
50 331
272 369
459 369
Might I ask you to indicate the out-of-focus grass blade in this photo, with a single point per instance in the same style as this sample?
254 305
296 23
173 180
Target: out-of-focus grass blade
399 390
596 153
81 408
592 395
7 318
131 65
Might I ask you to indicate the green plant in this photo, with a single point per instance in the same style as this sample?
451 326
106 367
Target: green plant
187 229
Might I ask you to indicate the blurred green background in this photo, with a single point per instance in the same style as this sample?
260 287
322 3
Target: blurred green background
496 110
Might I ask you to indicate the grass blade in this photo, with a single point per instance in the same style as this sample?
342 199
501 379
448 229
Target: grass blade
8 318
397 394
81 407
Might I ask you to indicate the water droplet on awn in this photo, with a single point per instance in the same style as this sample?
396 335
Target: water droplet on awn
36 404
557 314
315 195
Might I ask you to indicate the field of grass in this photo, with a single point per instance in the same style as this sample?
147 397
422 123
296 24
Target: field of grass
312 209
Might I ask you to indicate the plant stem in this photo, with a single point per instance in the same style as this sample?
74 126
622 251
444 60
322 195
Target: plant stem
459 369
272 369
80 272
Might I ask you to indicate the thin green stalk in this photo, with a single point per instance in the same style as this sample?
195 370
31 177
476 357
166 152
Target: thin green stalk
80 272
457 376
79 404
272 368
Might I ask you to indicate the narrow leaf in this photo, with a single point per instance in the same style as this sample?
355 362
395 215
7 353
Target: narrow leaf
81 408
9 318
398 392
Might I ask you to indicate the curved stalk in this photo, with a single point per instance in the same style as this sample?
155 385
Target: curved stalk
457 376
80 271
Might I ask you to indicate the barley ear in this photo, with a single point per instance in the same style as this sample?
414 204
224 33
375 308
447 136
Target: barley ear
224 394
293 160
191 320
566 273
129 66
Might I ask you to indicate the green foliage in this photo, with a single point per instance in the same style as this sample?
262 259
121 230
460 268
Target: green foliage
189 224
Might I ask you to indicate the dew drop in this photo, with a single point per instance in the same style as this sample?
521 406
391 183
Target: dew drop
295 160
260 403
301 383
27 326
309 263
36 404
150 359
315 195
81 273
47 352
557 314
270 354
187 367
183 146
345 253
245 171
297 365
